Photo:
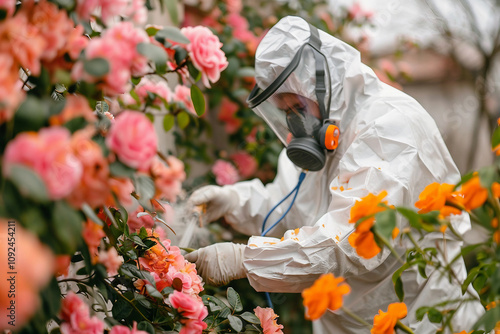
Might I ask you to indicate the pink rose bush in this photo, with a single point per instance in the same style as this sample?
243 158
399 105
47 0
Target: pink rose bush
225 173
82 175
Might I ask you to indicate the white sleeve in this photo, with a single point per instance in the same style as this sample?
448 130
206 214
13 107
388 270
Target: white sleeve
384 156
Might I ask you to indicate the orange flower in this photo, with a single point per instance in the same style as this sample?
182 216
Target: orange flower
474 193
464 332
435 196
363 240
325 293
495 189
366 206
384 322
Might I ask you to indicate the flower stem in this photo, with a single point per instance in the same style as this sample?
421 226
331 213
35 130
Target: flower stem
388 245
355 317
403 327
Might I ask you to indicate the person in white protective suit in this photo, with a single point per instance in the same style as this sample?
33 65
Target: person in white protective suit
311 86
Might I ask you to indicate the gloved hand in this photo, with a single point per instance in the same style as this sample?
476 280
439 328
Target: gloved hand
219 264
218 200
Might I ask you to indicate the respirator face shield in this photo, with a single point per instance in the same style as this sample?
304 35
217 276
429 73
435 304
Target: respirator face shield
295 106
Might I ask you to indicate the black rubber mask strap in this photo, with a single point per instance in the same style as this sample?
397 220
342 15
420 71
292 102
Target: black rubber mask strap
315 42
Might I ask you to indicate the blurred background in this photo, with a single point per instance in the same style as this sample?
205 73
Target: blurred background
443 53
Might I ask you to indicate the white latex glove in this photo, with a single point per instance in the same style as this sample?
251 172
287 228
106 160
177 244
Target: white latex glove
220 263
219 201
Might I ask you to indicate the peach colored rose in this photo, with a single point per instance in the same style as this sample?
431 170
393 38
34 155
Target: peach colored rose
76 106
168 177
93 188
225 173
76 317
227 114
93 234
247 165
123 189
205 52
192 310
47 153
183 94
267 319
34 265
62 265
11 92
159 88
111 260
133 139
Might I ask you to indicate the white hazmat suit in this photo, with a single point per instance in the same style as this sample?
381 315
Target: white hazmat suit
387 142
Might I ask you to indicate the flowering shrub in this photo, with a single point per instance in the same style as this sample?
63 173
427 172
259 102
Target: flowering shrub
477 195
83 185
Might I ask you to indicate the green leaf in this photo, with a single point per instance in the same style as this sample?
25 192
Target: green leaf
150 116
153 292
434 315
495 138
119 169
145 189
28 183
385 222
250 317
488 175
180 54
121 309
398 283
156 54
31 115
151 31
90 213
234 300
146 326
96 67
168 122
66 4
193 72
183 119
235 323
470 277
172 34
173 12
246 72
68 225
198 100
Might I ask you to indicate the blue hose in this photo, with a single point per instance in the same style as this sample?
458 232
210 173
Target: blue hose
264 231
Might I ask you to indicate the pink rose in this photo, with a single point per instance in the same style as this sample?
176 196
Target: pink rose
126 330
111 260
234 6
267 319
72 304
225 173
82 323
48 153
93 234
205 52
183 94
159 88
247 165
8 5
133 139
192 309
227 114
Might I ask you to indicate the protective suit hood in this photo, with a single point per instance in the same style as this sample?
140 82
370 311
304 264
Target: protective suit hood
283 41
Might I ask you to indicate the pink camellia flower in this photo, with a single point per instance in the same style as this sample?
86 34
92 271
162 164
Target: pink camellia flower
34 264
48 153
225 173
183 94
133 139
159 88
247 165
93 234
75 106
138 219
192 310
8 5
76 317
111 260
168 177
205 52
267 319
227 114
126 330
191 281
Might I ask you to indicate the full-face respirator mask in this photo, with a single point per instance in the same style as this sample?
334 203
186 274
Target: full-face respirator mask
300 120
